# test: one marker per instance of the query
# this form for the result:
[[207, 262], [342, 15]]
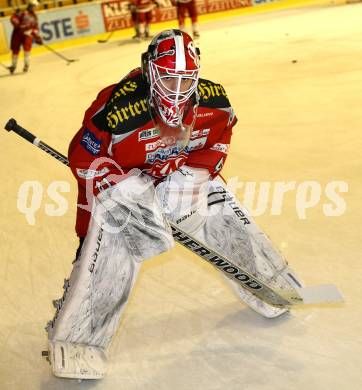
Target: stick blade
[[326, 293]]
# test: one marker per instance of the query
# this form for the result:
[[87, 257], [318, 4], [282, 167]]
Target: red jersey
[[25, 22], [144, 5], [118, 125]]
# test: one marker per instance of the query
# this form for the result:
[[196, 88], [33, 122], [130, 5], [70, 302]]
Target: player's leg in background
[[141, 24], [193, 15], [148, 18], [27, 44], [181, 14], [15, 49], [135, 21]]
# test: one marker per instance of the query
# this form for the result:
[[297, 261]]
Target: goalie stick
[[274, 296]]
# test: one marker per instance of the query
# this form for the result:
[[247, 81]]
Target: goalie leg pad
[[105, 272], [231, 232], [97, 291], [247, 246], [69, 360]]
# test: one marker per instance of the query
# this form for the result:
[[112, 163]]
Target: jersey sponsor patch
[[224, 148], [196, 144], [91, 173], [126, 109], [162, 154], [123, 89], [148, 134], [199, 133], [161, 169], [154, 145], [212, 95], [91, 143]]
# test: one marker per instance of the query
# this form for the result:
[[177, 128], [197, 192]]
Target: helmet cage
[[171, 102]]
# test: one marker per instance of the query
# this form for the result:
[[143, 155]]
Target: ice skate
[[196, 35], [137, 38]]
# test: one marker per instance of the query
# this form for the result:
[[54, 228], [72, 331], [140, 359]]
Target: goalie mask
[[171, 67]]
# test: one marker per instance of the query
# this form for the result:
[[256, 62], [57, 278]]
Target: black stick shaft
[[57, 53], [107, 39], [12, 125]]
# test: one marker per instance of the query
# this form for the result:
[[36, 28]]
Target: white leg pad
[[128, 229], [70, 360], [230, 231], [247, 246]]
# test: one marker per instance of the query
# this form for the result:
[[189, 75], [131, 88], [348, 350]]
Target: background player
[[141, 11], [25, 24], [184, 8]]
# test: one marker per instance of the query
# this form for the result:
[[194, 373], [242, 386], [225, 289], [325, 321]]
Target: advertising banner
[[66, 23], [258, 2], [3, 43], [116, 14]]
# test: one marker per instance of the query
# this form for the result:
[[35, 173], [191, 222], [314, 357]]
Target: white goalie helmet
[[171, 67]]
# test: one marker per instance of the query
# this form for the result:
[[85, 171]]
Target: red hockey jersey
[[25, 22], [118, 125], [144, 5]]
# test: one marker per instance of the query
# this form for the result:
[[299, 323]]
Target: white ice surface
[[183, 328]]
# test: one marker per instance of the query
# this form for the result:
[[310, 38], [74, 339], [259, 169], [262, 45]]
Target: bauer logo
[[91, 143]]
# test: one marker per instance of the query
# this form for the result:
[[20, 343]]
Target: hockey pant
[[210, 213], [19, 39], [126, 228]]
